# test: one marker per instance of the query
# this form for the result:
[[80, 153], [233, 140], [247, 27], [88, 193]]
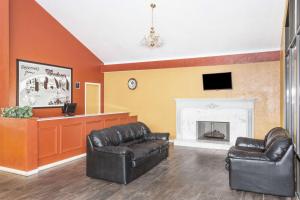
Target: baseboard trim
[[41, 168], [18, 172], [44, 167]]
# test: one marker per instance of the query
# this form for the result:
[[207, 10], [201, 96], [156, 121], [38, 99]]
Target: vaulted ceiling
[[113, 29]]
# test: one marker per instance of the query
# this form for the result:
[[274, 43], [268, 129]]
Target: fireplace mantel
[[238, 112]]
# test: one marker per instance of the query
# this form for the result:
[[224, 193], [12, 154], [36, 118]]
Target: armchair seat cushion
[[244, 153], [248, 149], [250, 143]]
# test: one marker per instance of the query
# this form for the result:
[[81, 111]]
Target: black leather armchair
[[263, 166], [123, 153]]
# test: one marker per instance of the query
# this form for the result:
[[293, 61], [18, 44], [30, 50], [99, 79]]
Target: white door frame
[[85, 86]]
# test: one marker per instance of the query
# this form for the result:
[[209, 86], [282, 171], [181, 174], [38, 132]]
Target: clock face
[[132, 83]]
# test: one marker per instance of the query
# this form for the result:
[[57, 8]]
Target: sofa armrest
[[157, 136], [114, 150], [250, 143], [111, 163], [235, 153]]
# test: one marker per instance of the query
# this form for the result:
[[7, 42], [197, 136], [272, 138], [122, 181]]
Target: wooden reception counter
[[30, 145]]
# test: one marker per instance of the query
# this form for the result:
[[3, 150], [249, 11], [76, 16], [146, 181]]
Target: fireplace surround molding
[[238, 112]]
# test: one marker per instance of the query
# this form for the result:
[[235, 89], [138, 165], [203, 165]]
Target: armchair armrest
[[234, 153], [250, 143], [157, 136], [116, 150]]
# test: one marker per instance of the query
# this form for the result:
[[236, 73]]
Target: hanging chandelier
[[152, 39]]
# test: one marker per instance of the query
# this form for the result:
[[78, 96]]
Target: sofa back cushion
[[125, 133], [278, 147], [132, 131], [105, 137], [140, 129], [119, 134], [273, 134]]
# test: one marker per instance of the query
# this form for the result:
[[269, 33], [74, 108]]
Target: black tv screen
[[218, 81]]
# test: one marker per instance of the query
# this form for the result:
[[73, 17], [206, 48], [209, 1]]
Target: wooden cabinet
[[60, 139], [27, 144]]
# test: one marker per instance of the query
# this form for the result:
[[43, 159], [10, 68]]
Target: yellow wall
[[93, 99], [154, 99]]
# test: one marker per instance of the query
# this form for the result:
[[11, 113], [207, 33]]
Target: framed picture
[[42, 85]]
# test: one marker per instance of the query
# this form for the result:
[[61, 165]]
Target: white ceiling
[[113, 29]]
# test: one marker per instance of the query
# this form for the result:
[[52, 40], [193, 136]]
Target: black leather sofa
[[263, 166], [123, 153]]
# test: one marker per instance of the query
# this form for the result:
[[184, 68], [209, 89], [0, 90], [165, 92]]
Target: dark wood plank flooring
[[188, 173]]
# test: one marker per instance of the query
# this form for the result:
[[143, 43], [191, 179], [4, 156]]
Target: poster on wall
[[42, 85]]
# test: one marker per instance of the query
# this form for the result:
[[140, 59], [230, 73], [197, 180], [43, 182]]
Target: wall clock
[[132, 83]]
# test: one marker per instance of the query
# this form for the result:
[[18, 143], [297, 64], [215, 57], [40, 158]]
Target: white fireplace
[[237, 113]]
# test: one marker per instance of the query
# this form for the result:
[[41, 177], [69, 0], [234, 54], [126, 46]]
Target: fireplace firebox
[[212, 130]]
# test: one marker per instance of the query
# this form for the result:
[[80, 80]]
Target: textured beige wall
[[154, 99]]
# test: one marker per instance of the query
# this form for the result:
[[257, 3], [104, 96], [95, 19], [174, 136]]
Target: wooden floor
[[188, 173]]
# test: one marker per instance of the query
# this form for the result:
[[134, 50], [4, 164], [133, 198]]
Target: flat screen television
[[69, 109], [217, 81]]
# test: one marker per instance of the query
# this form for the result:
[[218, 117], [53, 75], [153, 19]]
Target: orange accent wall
[[37, 36], [4, 51]]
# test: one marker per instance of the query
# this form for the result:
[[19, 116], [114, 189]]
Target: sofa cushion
[[141, 150], [132, 142], [140, 129], [131, 131], [162, 143], [146, 149], [278, 147], [125, 133], [105, 137]]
